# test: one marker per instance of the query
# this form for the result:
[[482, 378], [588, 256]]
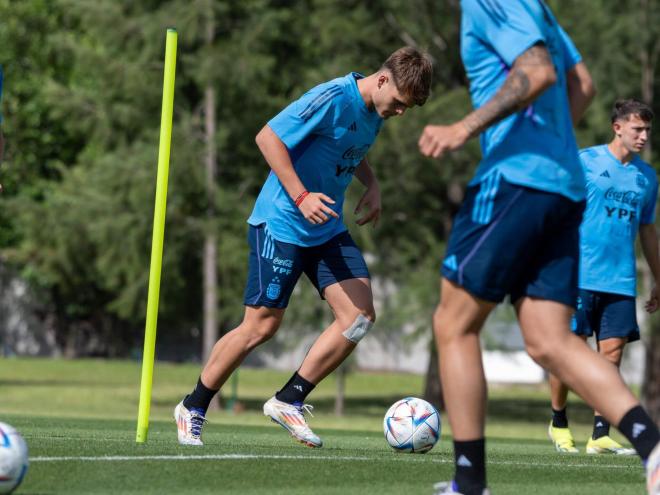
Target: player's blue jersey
[[619, 198], [327, 132], [535, 147]]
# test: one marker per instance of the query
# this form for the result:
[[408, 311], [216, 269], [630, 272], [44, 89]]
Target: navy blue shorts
[[606, 315], [275, 267], [513, 240]]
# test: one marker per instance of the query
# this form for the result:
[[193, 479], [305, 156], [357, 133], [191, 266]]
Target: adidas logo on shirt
[[352, 127], [638, 429], [451, 262], [464, 461], [605, 174]]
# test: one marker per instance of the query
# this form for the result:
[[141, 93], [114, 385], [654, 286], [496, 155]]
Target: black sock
[[470, 459], [200, 398], [559, 418], [296, 390], [640, 431], [601, 428]]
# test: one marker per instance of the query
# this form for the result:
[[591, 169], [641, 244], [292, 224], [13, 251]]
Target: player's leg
[[351, 302], [600, 441], [549, 341], [618, 327], [457, 322], [487, 248], [259, 324], [558, 430], [339, 272], [274, 269]]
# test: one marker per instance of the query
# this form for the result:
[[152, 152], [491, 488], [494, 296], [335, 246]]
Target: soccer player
[[314, 147], [621, 197], [516, 233]]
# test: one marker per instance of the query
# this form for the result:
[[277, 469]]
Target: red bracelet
[[301, 197]]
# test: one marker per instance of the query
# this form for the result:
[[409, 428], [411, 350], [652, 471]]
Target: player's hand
[[652, 305], [436, 140], [315, 209], [371, 201]]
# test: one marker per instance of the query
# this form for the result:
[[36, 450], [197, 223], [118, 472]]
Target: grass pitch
[[78, 418]]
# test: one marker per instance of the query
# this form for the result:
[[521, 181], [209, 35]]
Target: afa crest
[[274, 289], [641, 180]]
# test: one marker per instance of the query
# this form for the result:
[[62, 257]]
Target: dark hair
[[624, 109], [412, 71]]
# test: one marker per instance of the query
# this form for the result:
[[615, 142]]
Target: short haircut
[[624, 109], [412, 72]]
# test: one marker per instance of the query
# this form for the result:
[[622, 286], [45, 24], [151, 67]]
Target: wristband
[[301, 197]]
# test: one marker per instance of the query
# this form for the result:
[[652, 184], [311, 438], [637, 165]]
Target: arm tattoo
[[514, 93]]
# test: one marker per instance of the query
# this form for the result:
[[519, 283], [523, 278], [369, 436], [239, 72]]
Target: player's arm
[[311, 204], [581, 90], [649, 241], [531, 74], [371, 197]]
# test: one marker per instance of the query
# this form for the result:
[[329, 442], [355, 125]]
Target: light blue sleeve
[[312, 113], [509, 26], [572, 56], [648, 211]]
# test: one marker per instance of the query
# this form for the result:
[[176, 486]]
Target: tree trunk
[[649, 59], [210, 333], [432, 385]]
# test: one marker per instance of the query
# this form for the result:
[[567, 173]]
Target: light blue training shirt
[[619, 198], [535, 147], [327, 132]]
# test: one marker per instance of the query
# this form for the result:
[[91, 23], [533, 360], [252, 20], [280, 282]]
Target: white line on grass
[[240, 457]]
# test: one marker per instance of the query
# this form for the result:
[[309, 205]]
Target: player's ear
[[382, 79]]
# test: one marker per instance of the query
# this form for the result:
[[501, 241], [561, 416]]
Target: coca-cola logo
[[626, 197], [355, 152]]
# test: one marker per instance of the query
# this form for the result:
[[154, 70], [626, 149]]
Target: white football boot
[[189, 425], [290, 417]]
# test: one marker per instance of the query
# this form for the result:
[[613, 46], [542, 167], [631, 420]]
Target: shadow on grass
[[501, 409]]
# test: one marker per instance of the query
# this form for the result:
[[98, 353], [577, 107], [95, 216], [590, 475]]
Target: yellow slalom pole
[[157, 239]]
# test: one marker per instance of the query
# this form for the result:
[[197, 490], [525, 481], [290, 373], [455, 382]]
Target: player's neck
[[365, 87], [620, 152]]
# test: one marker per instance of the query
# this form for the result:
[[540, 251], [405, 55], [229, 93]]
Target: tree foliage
[[82, 107]]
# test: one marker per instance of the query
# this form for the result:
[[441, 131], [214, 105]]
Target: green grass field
[[79, 417]]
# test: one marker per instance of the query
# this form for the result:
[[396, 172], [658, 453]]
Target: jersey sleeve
[[572, 56], [648, 211], [312, 113], [508, 26]]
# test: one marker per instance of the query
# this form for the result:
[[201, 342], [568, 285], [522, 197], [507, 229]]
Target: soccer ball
[[412, 425], [13, 458]]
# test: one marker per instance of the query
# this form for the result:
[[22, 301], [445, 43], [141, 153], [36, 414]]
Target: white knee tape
[[358, 329]]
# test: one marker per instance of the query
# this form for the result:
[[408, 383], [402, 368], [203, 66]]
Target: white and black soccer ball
[[412, 425], [13, 458]]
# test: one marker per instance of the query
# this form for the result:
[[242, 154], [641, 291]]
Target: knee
[[448, 325], [357, 326], [613, 354], [264, 330], [542, 352]]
